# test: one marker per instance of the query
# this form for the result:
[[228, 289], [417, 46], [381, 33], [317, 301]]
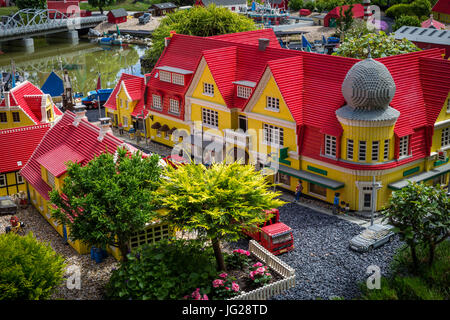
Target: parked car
[[7, 206], [372, 237], [145, 18]]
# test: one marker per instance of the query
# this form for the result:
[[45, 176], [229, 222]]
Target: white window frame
[[350, 149], [272, 103], [19, 178], [386, 149], [244, 92], [165, 76], [125, 121], [330, 146], [362, 150], [403, 146], [208, 89], [178, 79], [210, 118], [174, 106], [445, 137], [273, 135], [3, 182], [156, 102], [375, 150]]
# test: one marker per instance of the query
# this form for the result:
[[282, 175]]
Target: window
[[349, 149], [375, 150], [126, 104], [273, 135], [330, 146], [50, 179], [3, 117], [445, 139], [121, 103], [317, 190], [150, 234], [174, 106], [164, 76], [19, 178], [404, 146], [49, 114], [125, 122], [156, 102], [386, 150], [284, 179], [210, 117], [362, 151], [16, 117], [2, 180], [448, 105], [178, 79], [244, 92], [273, 103], [208, 89]]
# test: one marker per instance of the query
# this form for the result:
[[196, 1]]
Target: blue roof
[[53, 85]]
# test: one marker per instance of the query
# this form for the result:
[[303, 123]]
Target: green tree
[[420, 213], [403, 20], [421, 8], [33, 4], [295, 5], [217, 202], [111, 195], [100, 4], [198, 21], [29, 269], [381, 45], [344, 21]]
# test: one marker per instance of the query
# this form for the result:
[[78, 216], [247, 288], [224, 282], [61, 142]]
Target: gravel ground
[[325, 266], [130, 24], [94, 276]]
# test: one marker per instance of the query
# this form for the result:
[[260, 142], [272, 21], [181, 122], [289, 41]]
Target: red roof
[[276, 228], [442, 6], [250, 37], [133, 85], [357, 10], [63, 6], [18, 144], [432, 23], [64, 142]]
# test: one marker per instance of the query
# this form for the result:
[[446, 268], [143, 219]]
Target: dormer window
[[244, 92], [273, 104], [164, 76], [178, 79]]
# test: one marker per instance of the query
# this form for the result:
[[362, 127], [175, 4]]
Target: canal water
[[84, 61]]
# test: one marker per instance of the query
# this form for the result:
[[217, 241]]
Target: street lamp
[[375, 187]]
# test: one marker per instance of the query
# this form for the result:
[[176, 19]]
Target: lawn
[[126, 4]]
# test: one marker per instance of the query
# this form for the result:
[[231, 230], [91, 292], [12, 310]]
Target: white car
[[372, 237]]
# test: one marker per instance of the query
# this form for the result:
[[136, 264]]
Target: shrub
[[224, 287], [295, 5], [238, 259], [259, 274], [34, 4], [403, 20], [421, 8], [29, 269], [399, 9], [309, 5], [162, 271]]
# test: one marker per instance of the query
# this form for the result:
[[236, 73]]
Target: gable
[[204, 75]]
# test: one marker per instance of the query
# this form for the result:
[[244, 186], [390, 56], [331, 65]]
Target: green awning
[[311, 177], [423, 176]]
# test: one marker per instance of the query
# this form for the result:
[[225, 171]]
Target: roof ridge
[[25, 128]]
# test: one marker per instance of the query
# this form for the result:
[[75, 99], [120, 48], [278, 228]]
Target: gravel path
[[325, 266]]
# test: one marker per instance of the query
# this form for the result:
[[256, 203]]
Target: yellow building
[[27, 105], [441, 11]]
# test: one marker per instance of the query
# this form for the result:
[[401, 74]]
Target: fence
[[275, 264]]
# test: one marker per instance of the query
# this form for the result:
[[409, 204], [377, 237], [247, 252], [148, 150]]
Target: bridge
[[28, 23]]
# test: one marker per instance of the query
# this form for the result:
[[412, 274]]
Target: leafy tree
[[107, 197], [381, 45], [100, 4], [217, 202], [421, 8], [198, 21], [29, 269], [309, 5], [420, 213], [411, 21], [295, 5], [32, 4], [414, 8], [399, 9], [345, 20]]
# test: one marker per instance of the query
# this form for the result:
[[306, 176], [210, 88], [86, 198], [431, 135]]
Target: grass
[[427, 283], [4, 11], [126, 4]]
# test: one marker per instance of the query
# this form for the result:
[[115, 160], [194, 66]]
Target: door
[[243, 123], [64, 232], [367, 199]]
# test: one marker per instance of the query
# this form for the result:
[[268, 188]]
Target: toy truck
[[273, 235], [91, 100]]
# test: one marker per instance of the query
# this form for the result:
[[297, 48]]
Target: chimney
[[7, 101], [167, 41], [80, 113], [105, 127], [263, 43], [43, 108]]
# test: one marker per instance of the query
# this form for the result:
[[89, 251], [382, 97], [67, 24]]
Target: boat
[[106, 40]]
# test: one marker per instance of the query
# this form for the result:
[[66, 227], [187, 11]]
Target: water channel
[[83, 61]]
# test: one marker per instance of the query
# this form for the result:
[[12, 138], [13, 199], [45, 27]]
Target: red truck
[[274, 235]]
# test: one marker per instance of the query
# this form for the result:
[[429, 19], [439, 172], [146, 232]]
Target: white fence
[[276, 265]]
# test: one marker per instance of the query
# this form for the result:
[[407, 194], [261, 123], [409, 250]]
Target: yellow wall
[[441, 17], [121, 112], [164, 138], [207, 77], [24, 120], [12, 185]]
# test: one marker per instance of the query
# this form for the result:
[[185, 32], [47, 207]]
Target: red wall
[[425, 45]]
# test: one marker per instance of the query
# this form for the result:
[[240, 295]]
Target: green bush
[[162, 271], [309, 5], [399, 9], [403, 20], [295, 5], [29, 269], [26, 4], [421, 8]]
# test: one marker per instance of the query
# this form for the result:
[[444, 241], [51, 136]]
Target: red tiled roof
[[81, 141], [250, 37], [432, 22], [18, 144], [134, 85], [442, 6], [55, 159], [358, 10], [62, 6]]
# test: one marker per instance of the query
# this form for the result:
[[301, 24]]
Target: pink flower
[[260, 270], [235, 286], [227, 288], [217, 283], [223, 275], [205, 297], [268, 274], [258, 264]]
